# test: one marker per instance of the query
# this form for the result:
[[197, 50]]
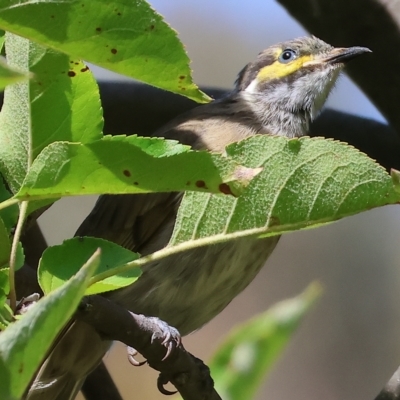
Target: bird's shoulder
[[214, 125], [138, 221]]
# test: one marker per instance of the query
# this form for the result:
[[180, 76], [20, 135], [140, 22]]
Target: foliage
[[51, 146], [250, 350], [23, 346]]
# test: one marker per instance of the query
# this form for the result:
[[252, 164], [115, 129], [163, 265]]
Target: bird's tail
[[76, 353]]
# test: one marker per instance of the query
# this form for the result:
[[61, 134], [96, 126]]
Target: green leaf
[[304, 183], [5, 249], [9, 215], [20, 257], [250, 350], [2, 38], [4, 280], [60, 103], [396, 180], [24, 343], [5, 245], [8, 75], [124, 36], [59, 263], [14, 120], [6, 314], [120, 165], [65, 100]]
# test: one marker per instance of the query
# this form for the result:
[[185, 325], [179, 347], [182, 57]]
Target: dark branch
[[131, 107], [137, 108], [188, 374]]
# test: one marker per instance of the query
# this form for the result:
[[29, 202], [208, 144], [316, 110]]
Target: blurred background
[[348, 346]]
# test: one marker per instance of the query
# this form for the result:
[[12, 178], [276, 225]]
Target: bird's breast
[[188, 289]]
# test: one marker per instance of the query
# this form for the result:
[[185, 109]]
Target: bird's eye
[[287, 55]]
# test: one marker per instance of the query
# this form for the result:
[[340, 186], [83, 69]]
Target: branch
[[137, 108], [371, 23], [131, 107], [188, 374]]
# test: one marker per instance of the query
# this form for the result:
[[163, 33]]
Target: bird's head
[[295, 76]]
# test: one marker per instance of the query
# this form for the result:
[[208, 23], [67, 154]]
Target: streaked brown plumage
[[279, 93]]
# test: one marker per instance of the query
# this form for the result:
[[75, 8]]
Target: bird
[[279, 93]]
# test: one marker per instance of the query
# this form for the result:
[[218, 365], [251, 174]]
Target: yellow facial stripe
[[278, 70]]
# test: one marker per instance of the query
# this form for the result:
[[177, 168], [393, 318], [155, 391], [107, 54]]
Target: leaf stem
[[13, 256], [8, 203], [177, 248]]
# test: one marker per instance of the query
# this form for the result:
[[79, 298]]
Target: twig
[[13, 256], [137, 108]]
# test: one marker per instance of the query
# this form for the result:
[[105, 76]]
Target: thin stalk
[[13, 256], [175, 249], [9, 202]]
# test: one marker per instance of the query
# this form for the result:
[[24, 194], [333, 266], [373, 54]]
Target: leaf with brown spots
[[148, 49], [59, 103], [121, 164], [294, 184]]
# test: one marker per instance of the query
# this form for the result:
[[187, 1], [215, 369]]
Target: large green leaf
[[304, 183], [128, 165], [124, 36], [24, 343], [59, 263], [250, 350], [61, 102]]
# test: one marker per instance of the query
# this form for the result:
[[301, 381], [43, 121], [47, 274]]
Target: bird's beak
[[342, 55]]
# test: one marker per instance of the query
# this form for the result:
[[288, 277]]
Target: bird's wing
[[135, 221], [144, 222]]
